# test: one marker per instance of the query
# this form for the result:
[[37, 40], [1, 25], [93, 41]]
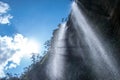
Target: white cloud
[[5, 19], [4, 7], [10, 66], [14, 49], [4, 15], [2, 74]]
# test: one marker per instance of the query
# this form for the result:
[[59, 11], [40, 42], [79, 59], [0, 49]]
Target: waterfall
[[57, 61], [101, 61], [78, 51]]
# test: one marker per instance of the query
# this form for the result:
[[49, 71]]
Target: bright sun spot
[[26, 46], [30, 47], [33, 46]]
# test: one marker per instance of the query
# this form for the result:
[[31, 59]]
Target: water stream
[[103, 64], [96, 57], [58, 61]]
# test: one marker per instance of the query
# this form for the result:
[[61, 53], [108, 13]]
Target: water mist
[[58, 51], [102, 63], [78, 52]]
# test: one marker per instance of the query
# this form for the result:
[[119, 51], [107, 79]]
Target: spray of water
[[103, 64], [57, 62]]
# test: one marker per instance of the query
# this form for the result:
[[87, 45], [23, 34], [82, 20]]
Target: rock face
[[104, 16]]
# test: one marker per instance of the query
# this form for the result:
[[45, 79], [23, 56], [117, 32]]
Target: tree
[[47, 44], [33, 58]]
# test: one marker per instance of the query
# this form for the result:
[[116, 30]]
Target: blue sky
[[38, 17], [25, 23]]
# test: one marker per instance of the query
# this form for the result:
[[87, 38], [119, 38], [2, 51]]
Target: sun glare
[[33, 46]]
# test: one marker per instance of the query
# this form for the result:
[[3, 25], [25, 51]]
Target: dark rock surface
[[105, 16]]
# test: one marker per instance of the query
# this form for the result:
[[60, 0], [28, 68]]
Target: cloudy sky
[[24, 27]]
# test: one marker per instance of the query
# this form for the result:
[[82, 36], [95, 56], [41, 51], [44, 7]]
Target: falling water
[[103, 64], [57, 62]]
